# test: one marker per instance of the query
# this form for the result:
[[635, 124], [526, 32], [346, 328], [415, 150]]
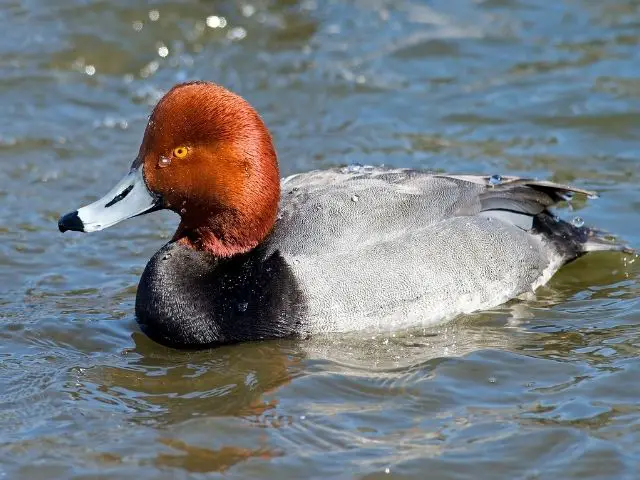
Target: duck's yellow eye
[[180, 152]]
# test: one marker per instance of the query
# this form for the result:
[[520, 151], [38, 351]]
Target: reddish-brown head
[[209, 156]]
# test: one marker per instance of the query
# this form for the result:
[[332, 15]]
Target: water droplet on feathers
[[353, 168], [577, 222], [495, 180], [567, 196], [164, 162], [242, 307], [355, 198]]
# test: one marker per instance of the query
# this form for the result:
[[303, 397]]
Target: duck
[[345, 249]]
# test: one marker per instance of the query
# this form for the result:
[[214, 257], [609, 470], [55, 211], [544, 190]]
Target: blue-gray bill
[[129, 198]]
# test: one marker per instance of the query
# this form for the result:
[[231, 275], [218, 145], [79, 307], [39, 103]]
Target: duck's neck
[[228, 231], [223, 236], [189, 298]]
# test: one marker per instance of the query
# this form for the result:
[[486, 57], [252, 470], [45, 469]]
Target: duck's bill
[[129, 198]]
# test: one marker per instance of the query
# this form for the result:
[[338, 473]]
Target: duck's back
[[389, 248]]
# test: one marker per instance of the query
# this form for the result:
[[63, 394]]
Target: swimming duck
[[256, 257]]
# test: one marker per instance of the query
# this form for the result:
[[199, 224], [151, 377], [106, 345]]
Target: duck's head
[[206, 155]]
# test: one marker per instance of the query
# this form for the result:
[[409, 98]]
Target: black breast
[[191, 299]]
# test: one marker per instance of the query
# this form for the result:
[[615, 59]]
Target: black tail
[[574, 241]]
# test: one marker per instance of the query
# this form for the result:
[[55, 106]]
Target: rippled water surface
[[545, 388]]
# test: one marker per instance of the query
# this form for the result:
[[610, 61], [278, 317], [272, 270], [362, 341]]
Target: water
[[541, 389]]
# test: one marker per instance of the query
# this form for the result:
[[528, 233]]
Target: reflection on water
[[543, 387]]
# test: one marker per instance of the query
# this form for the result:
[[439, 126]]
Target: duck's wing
[[343, 209], [518, 200]]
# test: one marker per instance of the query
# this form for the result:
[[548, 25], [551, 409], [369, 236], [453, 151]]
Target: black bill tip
[[71, 221]]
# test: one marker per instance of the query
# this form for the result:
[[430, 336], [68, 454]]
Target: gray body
[[385, 249]]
